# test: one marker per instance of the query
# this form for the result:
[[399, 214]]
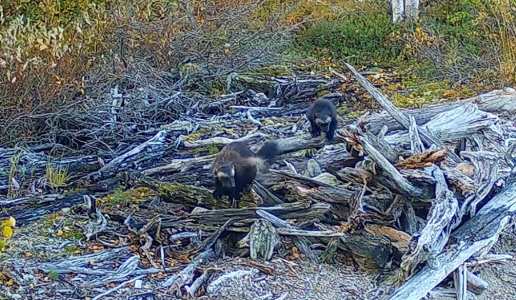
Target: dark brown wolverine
[[236, 166], [322, 115]]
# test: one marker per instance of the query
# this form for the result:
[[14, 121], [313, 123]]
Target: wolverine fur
[[322, 115], [236, 166]]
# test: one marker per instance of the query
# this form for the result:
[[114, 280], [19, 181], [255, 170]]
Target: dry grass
[[57, 69]]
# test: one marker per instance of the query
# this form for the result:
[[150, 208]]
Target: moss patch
[[121, 197]]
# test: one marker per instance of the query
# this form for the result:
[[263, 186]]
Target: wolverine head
[[323, 122], [226, 175]]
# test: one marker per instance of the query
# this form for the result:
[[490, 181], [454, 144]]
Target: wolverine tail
[[268, 152]]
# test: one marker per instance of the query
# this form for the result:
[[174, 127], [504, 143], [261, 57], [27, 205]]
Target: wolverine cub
[[322, 115], [236, 166]]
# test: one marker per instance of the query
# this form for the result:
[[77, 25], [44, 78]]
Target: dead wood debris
[[407, 203]]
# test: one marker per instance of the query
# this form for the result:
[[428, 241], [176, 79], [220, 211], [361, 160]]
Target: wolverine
[[322, 115], [236, 166]]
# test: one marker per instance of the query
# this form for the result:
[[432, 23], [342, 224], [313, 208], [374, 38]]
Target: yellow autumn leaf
[[9, 222], [7, 231]]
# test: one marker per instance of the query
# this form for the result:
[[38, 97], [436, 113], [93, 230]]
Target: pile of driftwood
[[419, 194]]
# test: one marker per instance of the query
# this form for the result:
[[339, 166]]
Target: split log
[[496, 101], [478, 235], [485, 165], [435, 233], [301, 242], [262, 240]]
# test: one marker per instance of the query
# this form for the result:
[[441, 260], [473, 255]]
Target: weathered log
[[489, 258], [401, 184], [435, 233], [396, 114], [416, 145], [262, 240], [495, 101], [371, 252], [158, 139], [70, 264], [478, 234], [445, 293], [254, 138], [30, 209], [459, 123], [285, 145]]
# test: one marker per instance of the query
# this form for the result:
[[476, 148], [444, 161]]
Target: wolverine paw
[[315, 133]]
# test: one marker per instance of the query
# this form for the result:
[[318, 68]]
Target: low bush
[[61, 59], [358, 36]]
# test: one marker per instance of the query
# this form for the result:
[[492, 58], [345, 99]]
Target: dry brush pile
[[418, 194]]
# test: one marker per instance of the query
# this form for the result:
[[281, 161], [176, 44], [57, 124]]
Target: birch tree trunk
[[398, 9], [411, 10], [402, 9]]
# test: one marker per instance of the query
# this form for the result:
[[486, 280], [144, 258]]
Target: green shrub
[[455, 22], [360, 37]]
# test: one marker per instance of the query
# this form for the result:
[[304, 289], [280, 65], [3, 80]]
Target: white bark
[[402, 9], [411, 9], [398, 10]]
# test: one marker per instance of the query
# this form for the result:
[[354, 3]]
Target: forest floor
[[286, 277]]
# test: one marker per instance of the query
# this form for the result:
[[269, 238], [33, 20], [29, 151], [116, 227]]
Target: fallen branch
[[158, 139], [117, 287], [186, 275], [478, 233], [222, 141], [396, 114]]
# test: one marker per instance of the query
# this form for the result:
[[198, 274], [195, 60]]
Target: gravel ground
[[299, 280]]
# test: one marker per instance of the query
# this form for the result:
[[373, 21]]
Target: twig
[[489, 258], [158, 139], [117, 287]]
